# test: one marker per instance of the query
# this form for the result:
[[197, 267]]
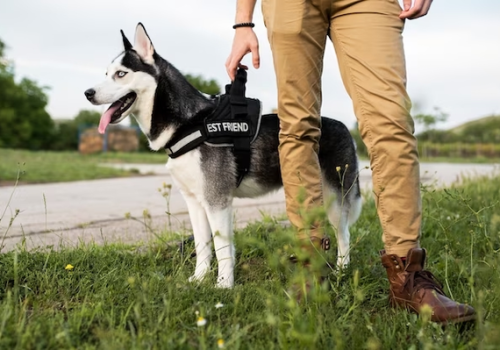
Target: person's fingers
[[425, 9], [410, 13], [244, 42], [406, 5], [255, 55], [232, 63], [231, 67]]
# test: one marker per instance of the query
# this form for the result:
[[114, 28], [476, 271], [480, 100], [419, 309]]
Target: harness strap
[[242, 154], [239, 111], [186, 141], [237, 97]]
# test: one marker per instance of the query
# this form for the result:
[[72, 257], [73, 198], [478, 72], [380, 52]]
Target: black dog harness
[[234, 123]]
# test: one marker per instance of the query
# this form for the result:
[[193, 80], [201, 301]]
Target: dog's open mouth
[[116, 110]]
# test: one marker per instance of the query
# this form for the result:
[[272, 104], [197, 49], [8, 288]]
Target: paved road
[[96, 210]]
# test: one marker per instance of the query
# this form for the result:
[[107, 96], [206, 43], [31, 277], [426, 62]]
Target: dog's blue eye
[[121, 74]]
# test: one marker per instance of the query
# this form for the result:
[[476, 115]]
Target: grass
[[136, 157], [138, 297], [45, 166]]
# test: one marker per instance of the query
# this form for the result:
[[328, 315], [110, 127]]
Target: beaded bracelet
[[245, 24]]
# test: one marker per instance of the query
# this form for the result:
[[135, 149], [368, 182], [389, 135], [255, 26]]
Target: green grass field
[[138, 297], [45, 166]]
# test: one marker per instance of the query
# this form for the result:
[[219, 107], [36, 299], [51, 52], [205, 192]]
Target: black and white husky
[[141, 83]]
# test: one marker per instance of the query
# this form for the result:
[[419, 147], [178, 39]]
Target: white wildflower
[[200, 322]]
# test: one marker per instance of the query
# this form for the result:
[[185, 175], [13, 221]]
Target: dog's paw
[[197, 277], [224, 283], [200, 273], [193, 279]]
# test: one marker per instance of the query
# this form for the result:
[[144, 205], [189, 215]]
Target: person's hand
[[245, 41], [419, 9]]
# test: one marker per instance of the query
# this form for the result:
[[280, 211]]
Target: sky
[[452, 54]]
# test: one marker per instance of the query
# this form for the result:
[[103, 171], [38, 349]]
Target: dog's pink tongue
[[106, 118]]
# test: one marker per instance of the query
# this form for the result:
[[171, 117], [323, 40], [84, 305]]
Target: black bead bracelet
[[245, 24]]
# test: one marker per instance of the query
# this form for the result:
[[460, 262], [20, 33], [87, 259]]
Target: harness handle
[[237, 95], [239, 111]]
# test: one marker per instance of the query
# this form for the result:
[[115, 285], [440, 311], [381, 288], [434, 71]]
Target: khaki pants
[[367, 37]]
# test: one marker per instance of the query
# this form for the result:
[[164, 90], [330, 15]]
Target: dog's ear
[[126, 44], [143, 45]]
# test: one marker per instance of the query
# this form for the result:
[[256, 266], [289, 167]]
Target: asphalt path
[[134, 210]]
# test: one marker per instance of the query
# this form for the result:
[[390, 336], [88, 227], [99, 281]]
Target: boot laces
[[423, 279]]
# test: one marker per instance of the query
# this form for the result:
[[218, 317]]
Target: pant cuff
[[401, 250]]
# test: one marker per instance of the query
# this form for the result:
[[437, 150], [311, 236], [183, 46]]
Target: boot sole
[[463, 319]]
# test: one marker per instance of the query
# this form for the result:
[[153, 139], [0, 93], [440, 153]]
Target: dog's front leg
[[202, 237], [221, 222]]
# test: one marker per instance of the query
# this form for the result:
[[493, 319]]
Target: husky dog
[[141, 83]]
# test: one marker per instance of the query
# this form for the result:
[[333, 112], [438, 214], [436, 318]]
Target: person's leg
[[297, 32], [367, 36]]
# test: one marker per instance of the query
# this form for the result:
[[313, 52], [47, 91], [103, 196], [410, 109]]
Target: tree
[[209, 87], [25, 122], [438, 136], [3, 60], [65, 136], [87, 117], [66, 132], [429, 121]]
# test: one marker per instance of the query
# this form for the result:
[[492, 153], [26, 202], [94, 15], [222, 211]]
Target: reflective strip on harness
[[176, 147]]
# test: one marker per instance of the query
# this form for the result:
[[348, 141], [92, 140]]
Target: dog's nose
[[90, 93]]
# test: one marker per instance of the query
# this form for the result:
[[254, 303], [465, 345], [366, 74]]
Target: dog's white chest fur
[[187, 174]]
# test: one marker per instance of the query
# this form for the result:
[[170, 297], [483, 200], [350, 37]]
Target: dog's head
[[130, 84]]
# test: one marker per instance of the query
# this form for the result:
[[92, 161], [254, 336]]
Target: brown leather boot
[[411, 287]]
